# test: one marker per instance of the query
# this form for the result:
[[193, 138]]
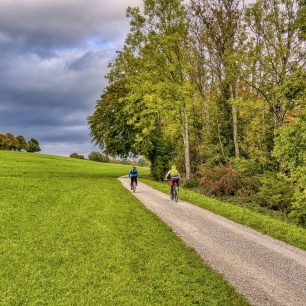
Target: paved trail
[[265, 270]]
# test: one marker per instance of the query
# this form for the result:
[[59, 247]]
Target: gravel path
[[265, 270]]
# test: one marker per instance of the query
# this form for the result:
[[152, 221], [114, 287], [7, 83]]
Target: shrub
[[218, 180], [76, 155], [298, 208], [192, 183], [235, 178], [126, 161], [99, 157], [275, 192], [290, 151], [142, 162]]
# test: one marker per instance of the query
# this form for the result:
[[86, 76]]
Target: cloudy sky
[[53, 58]]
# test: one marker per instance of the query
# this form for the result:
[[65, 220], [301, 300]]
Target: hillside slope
[[71, 234]]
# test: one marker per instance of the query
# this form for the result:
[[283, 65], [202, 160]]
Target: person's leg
[[136, 181], [171, 186]]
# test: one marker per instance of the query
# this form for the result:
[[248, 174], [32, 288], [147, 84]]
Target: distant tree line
[[18, 143], [76, 155], [218, 88], [103, 158]]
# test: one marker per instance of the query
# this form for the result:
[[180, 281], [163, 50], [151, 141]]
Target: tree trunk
[[206, 108], [220, 142], [185, 131], [235, 120]]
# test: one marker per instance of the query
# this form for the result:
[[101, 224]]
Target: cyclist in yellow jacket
[[174, 177]]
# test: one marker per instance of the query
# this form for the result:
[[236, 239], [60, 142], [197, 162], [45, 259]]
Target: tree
[[10, 142], [301, 20], [21, 143], [275, 50], [33, 146], [290, 150], [99, 157], [217, 25], [3, 142], [76, 155], [205, 84]]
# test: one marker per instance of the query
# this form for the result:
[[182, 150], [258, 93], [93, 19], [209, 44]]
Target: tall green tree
[[33, 146], [21, 143], [277, 50], [11, 142]]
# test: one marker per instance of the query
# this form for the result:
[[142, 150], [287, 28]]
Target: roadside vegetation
[[71, 234], [262, 221]]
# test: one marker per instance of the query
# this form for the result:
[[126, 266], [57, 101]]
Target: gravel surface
[[265, 270]]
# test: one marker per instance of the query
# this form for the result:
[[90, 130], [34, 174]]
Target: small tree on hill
[[33, 146], [95, 156], [99, 157], [3, 142], [21, 143], [76, 155], [11, 142]]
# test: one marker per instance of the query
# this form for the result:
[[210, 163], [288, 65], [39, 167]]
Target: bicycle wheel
[[134, 187], [175, 192]]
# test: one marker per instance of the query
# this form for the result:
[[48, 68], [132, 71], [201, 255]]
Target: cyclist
[[174, 176], [133, 174]]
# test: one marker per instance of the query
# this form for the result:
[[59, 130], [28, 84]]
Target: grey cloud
[[50, 22], [53, 58]]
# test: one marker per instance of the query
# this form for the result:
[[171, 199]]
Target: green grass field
[[72, 235], [273, 227]]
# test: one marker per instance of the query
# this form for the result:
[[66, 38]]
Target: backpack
[[174, 173], [134, 171]]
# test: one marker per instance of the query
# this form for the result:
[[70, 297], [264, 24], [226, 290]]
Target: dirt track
[[266, 271]]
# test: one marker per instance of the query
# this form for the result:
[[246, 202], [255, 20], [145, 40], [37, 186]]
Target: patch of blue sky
[[98, 43]]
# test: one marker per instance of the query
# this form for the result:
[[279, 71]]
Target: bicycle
[[175, 192], [174, 196], [134, 186]]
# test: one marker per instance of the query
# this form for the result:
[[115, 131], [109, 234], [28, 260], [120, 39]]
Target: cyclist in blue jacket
[[133, 174]]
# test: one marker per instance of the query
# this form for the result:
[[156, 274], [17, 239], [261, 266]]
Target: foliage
[[18, 143], [208, 85], [238, 177], [219, 180], [290, 151], [33, 146], [99, 157], [125, 161], [275, 192], [76, 155], [21, 143], [142, 162], [3, 145]]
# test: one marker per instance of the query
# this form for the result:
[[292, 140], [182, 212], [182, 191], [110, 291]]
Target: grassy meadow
[[72, 235]]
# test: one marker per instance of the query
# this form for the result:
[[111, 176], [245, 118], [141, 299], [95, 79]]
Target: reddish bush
[[237, 178], [219, 180]]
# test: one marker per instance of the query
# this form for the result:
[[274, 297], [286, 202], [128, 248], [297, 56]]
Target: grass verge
[[273, 227], [71, 234]]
